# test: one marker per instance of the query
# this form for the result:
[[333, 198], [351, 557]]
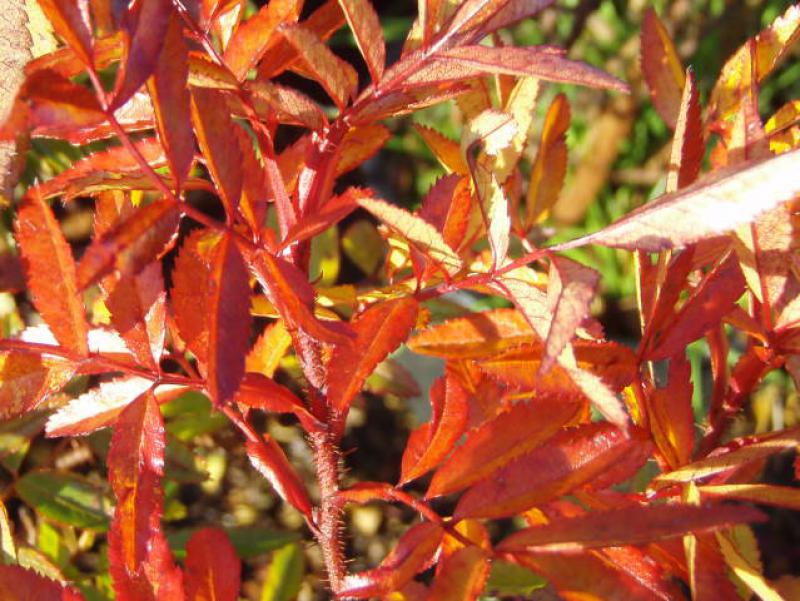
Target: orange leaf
[[338, 78], [359, 144], [617, 572], [661, 67], [436, 438], [217, 138], [212, 567], [567, 461], [461, 576], [269, 349], [710, 207], [138, 312], [496, 443], [739, 453], [763, 494], [271, 462], [475, 335], [670, 414], [169, 92], [379, 331], [413, 553], [27, 379], [363, 20], [51, 274], [550, 167], [255, 36], [132, 244], [631, 525], [446, 150]]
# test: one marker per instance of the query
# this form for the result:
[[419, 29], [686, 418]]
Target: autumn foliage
[[537, 416]]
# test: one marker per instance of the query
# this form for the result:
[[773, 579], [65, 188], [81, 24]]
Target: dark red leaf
[[661, 67], [144, 28], [69, 21], [169, 91]]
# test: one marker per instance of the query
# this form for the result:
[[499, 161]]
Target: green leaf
[[285, 574], [510, 579], [248, 541], [67, 499]]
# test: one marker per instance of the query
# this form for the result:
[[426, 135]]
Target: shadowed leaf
[[271, 462], [661, 67]]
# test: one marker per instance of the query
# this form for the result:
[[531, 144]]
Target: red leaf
[[688, 146], [169, 92], [412, 554], [51, 273], [212, 567], [113, 168], [20, 584], [379, 331], [338, 78], [259, 392], [514, 432], [293, 297], [570, 290], [568, 461], [211, 300], [715, 296], [140, 562], [217, 138], [632, 525], [330, 214], [426, 450], [269, 459], [548, 64], [253, 37], [710, 207], [661, 67], [133, 244], [70, 23], [363, 20]]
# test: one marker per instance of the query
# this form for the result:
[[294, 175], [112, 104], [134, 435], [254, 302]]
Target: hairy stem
[[329, 512]]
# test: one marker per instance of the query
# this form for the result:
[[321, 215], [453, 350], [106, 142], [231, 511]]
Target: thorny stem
[[329, 513]]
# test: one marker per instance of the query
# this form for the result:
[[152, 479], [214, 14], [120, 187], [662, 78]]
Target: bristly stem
[[329, 512]]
